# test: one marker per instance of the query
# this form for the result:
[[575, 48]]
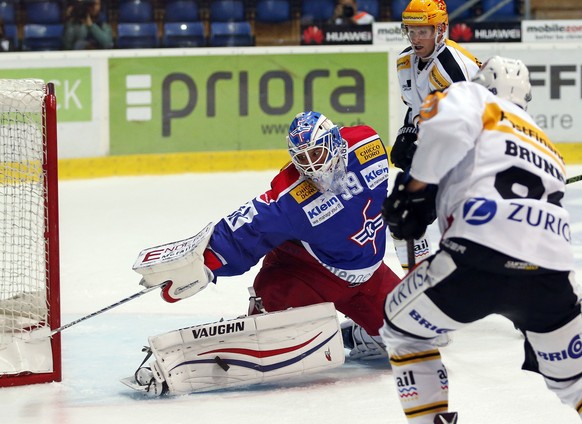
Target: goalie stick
[[107, 308], [410, 254]]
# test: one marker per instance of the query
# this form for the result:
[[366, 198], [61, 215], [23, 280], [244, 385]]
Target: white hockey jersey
[[449, 63], [501, 180]]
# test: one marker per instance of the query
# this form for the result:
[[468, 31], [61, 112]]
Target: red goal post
[[29, 234]]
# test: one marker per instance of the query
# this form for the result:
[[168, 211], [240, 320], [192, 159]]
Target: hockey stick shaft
[[574, 179], [107, 308], [410, 254]]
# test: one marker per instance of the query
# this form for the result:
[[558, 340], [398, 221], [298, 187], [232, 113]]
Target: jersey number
[[519, 183], [353, 186]]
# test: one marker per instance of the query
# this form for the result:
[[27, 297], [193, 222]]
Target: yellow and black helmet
[[426, 12]]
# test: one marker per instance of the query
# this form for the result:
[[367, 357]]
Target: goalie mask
[[318, 151], [506, 78]]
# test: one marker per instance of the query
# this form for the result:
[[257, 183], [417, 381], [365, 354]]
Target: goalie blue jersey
[[344, 232]]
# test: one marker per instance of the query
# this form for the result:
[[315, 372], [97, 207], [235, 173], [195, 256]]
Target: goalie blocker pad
[[180, 264], [249, 350]]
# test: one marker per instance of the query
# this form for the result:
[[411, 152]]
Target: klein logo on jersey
[[369, 230], [573, 351], [479, 211], [322, 208], [375, 174], [241, 216], [370, 151]]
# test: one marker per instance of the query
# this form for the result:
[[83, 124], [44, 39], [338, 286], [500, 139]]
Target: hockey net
[[29, 255]]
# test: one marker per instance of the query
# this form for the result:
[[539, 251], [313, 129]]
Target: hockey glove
[[179, 264], [409, 214], [404, 147]]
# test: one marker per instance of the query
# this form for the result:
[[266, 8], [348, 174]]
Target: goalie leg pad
[[249, 350]]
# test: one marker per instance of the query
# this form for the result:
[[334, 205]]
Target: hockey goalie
[[321, 238], [244, 351]]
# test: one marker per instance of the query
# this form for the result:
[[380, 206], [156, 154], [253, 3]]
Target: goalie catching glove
[[408, 214], [179, 264]]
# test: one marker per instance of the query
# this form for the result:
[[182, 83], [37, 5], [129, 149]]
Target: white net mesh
[[23, 257]]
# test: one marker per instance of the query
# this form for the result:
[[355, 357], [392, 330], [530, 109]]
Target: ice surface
[[104, 225]]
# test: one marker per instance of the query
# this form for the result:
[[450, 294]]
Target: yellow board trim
[[571, 152], [172, 163], [178, 163]]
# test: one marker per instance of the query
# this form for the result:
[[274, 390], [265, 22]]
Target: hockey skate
[[362, 346], [143, 379], [255, 303]]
